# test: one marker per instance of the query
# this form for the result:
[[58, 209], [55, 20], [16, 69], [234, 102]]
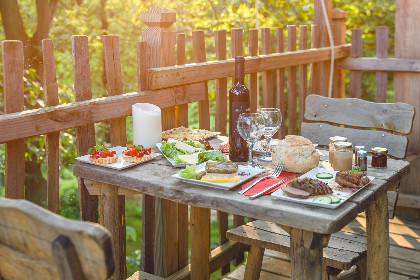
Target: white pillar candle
[[147, 124]]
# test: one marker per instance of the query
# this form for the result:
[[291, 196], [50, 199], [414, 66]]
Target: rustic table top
[[154, 178]]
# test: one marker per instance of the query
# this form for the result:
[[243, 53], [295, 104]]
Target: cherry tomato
[[103, 155]]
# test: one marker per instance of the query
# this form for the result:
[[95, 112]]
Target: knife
[[258, 194]]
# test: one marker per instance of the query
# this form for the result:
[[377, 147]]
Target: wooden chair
[[38, 244], [352, 118]]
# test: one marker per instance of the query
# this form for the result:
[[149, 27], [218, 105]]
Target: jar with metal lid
[[331, 147], [356, 149], [379, 157], [362, 160], [343, 156]]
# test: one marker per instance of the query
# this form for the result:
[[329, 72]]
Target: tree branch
[[44, 19], [12, 21]]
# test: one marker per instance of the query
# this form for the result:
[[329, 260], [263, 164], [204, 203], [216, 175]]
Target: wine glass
[[251, 127], [272, 122]]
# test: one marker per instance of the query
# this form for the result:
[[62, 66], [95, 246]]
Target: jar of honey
[[379, 157], [343, 156], [331, 147]]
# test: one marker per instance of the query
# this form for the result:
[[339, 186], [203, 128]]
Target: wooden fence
[[164, 80]]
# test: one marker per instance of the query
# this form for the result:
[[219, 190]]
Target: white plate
[[343, 193], [120, 164], [245, 173], [213, 134]]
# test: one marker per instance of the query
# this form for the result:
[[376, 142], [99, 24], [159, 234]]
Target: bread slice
[[136, 159], [107, 160]]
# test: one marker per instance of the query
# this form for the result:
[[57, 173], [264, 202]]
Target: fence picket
[[253, 77], [280, 99], [199, 53], [315, 77], [267, 76], [339, 34], [221, 84], [356, 51], [381, 52], [181, 111], [85, 135], [52, 139], [291, 81], [303, 72], [14, 171]]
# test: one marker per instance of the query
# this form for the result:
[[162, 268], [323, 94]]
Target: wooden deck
[[404, 260]]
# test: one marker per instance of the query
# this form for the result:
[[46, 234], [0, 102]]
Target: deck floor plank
[[404, 262]]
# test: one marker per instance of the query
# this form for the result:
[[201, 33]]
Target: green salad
[[172, 150]]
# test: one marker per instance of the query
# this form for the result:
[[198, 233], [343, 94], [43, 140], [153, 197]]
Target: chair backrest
[[363, 123], [38, 244]]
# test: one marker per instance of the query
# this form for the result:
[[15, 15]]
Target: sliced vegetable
[[322, 199], [334, 199], [324, 175]]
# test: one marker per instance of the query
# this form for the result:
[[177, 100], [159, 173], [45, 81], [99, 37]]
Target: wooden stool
[[342, 252], [141, 275]]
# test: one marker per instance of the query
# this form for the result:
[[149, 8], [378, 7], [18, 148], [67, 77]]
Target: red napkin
[[266, 183]]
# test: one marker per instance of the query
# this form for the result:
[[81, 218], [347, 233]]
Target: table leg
[[306, 253], [377, 233], [112, 218], [200, 241]]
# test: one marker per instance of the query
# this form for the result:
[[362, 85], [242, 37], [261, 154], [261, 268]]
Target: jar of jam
[[343, 156], [331, 147], [379, 157]]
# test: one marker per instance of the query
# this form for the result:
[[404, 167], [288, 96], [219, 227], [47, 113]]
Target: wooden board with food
[[221, 175], [184, 133], [180, 153], [323, 187], [118, 157]]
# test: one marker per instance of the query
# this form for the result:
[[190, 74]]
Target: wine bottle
[[238, 103]]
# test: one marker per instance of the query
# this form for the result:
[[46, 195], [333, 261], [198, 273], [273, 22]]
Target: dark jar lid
[[379, 150]]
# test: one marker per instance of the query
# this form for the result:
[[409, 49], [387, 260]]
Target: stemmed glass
[[251, 127], [272, 122]]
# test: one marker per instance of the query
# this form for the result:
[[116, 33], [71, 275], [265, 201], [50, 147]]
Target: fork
[[274, 174]]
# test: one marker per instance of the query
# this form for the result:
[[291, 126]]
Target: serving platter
[[244, 172], [341, 192], [170, 159], [120, 164], [194, 134]]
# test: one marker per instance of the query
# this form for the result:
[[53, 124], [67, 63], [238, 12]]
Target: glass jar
[[379, 157], [331, 147], [343, 156], [362, 160]]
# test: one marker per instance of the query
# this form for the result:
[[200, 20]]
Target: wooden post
[[291, 81], [377, 238], [267, 76], [356, 51], [253, 77], [339, 34], [118, 138], [407, 85], [303, 73], [85, 135], [319, 41], [381, 51], [161, 38], [280, 99], [306, 253], [52, 139], [13, 63], [200, 239]]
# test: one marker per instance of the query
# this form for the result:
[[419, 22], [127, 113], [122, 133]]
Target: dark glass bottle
[[238, 103]]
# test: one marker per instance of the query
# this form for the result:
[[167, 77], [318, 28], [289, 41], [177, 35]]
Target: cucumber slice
[[322, 199], [324, 175], [334, 199]]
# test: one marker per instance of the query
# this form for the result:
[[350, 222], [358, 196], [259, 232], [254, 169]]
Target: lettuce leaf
[[210, 155], [189, 172]]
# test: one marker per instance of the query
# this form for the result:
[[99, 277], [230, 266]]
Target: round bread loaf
[[296, 152]]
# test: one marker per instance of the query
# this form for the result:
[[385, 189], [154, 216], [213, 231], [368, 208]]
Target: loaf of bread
[[296, 152]]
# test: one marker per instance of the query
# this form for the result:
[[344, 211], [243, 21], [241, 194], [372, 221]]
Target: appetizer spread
[[189, 152], [183, 133], [102, 155], [136, 153]]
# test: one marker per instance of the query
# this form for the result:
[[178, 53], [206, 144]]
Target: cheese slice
[[190, 159], [185, 147], [220, 178]]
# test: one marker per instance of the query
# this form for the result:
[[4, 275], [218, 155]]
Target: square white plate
[[245, 173], [120, 164], [343, 193]]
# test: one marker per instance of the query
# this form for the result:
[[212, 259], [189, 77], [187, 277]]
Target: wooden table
[[310, 227]]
